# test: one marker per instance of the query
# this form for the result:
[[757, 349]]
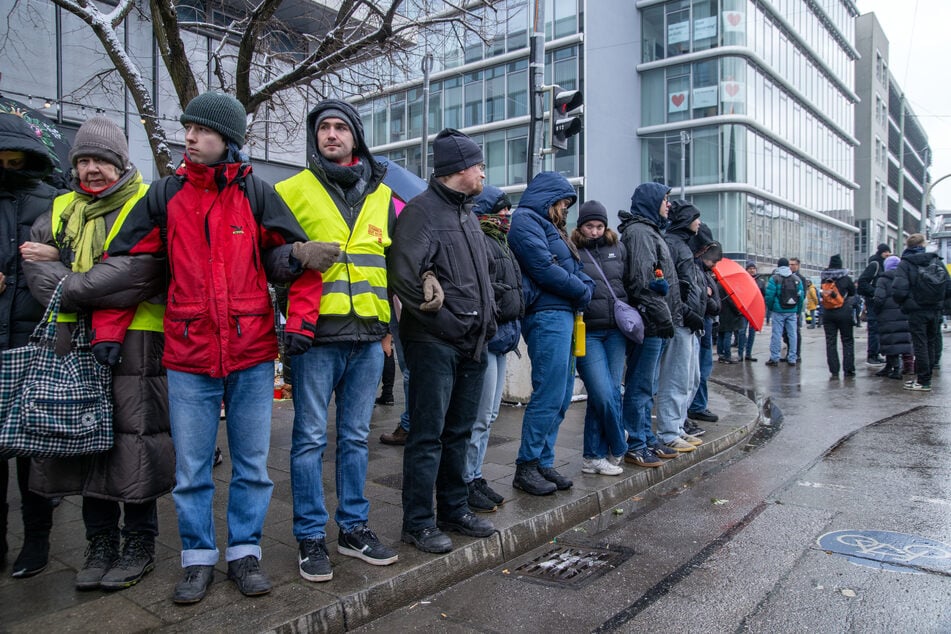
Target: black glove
[[296, 344], [693, 321], [665, 331], [107, 353]]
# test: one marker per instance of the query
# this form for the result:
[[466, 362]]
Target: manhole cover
[[886, 550], [394, 480], [563, 564]]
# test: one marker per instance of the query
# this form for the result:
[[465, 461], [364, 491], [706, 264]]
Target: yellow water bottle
[[579, 335]]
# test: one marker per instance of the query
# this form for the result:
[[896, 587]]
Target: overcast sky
[[919, 54]]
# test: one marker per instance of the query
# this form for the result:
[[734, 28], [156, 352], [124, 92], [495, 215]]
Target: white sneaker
[[693, 440], [600, 466], [680, 445], [615, 460]]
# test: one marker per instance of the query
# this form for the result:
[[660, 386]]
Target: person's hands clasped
[[316, 255], [432, 293]]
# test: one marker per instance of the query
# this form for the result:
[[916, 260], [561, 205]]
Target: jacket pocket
[[245, 309]]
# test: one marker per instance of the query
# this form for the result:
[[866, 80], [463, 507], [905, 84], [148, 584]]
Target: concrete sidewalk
[[358, 592]]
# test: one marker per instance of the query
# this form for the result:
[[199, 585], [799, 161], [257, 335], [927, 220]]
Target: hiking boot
[[468, 524], [680, 445], [664, 451], [643, 457], [194, 585], [693, 428], [102, 551], [313, 562], [895, 374], [478, 501], [751, 359], [33, 557], [772, 363], [560, 481], [248, 576], [705, 415], [397, 437], [875, 360], [917, 387], [136, 561], [600, 466], [488, 491], [429, 540], [528, 479], [363, 543]]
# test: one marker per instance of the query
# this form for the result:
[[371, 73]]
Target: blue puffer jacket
[[552, 277]]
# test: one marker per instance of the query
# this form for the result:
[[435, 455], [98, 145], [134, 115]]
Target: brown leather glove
[[432, 293], [316, 255]]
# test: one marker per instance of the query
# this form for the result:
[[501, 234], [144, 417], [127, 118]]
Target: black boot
[[102, 551], [137, 560], [528, 479], [555, 478], [34, 556]]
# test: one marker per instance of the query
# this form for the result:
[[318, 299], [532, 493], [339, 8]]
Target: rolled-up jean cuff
[[233, 553], [199, 557]]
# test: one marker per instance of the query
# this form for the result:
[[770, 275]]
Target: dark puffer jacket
[[906, 277], [507, 279], [141, 465], [693, 285], [894, 335], [599, 315], [23, 199]]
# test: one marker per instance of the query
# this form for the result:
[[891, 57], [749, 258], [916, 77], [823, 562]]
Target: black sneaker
[[429, 540], [705, 415], [385, 400], [136, 561], [468, 524], [561, 482], [194, 585], [34, 556], [693, 428], [488, 491], [313, 560], [102, 552], [663, 451], [363, 544], [248, 576], [478, 502], [772, 363]]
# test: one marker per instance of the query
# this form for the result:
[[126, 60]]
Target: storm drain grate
[[563, 564]]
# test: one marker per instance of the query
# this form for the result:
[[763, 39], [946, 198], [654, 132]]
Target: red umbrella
[[742, 289]]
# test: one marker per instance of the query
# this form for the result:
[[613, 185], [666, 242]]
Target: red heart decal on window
[[732, 89], [733, 18], [678, 99]]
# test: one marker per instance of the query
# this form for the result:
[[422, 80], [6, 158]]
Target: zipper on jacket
[[237, 324]]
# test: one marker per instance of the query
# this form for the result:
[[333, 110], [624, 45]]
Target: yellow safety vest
[[356, 282], [148, 316]]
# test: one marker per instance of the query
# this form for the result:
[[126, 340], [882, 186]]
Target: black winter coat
[[893, 333], [906, 276], [23, 199], [599, 315]]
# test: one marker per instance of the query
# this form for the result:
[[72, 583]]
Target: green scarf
[[84, 222], [491, 229]]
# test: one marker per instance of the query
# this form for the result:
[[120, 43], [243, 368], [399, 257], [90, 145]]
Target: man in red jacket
[[225, 233]]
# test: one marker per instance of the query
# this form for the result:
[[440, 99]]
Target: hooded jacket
[[774, 291], [867, 280], [599, 314], [647, 252], [703, 244], [893, 331], [906, 276], [360, 217], [23, 199], [693, 286], [507, 279], [552, 278]]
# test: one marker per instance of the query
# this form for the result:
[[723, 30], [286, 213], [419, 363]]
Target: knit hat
[[453, 152], [782, 262], [882, 248], [592, 210], [891, 262], [101, 138], [335, 113], [750, 265], [835, 262], [220, 112]]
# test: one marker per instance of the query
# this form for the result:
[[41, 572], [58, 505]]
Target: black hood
[[703, 241], [358, 135], [18, 135]]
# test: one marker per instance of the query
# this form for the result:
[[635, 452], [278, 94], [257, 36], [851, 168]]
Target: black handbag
[[54, 406]]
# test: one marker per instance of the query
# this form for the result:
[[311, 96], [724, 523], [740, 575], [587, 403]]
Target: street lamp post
[[924, 204]]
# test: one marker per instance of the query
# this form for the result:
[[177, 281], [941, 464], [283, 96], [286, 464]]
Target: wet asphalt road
[[733, 545]]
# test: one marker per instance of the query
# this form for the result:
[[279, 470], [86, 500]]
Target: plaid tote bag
[[54, 406]]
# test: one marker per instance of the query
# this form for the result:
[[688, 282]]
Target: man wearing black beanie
[[866, 288]]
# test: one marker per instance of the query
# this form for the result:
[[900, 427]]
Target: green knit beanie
[[222, 113]]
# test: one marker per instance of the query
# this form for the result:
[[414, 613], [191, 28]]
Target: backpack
[[929, 287], [788, 291], [831, 295]]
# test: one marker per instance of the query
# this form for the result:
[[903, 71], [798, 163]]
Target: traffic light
[[564, 124]]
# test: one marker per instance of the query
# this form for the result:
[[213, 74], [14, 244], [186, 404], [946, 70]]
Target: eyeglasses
[[481, 167]]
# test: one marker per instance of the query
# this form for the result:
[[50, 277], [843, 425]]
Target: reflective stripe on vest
[[356, 282], [147, 316]]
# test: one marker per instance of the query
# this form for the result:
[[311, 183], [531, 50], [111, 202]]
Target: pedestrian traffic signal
[[565, 120]]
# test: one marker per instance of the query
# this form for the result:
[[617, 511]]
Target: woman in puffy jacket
[[893, 331], [602, 366]]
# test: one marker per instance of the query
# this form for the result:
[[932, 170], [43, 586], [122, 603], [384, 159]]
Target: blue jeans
[[790, 323], [724, 344], [601, 369], [678, 378], [640, 385], [444, 394], [492, 384], [701, 398], [548, 335], [349, 372], [194, 405], [746, 337]]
